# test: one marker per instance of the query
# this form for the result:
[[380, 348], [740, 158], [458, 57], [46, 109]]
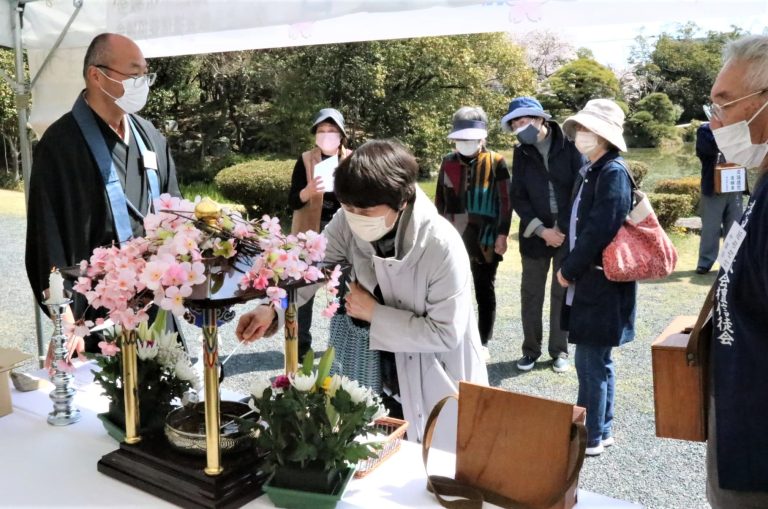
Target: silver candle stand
[[64, 412]]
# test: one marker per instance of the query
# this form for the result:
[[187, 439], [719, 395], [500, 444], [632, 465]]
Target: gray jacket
[[427, 318]]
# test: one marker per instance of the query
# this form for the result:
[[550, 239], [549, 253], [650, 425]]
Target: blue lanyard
[[85, 120], [149, 160]]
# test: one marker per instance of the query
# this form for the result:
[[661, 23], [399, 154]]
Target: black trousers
[[304, 319], [484, 276]]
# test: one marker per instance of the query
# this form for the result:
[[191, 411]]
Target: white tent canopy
[[182, 27]]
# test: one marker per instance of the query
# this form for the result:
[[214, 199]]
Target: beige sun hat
[[601, 116]]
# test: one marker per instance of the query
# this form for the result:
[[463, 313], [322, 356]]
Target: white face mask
[[134, 98], [368, 228], [468, 148], [328, 142], [735, 142], [586, 142]]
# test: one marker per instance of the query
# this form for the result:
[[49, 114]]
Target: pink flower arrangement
[[163, 266]]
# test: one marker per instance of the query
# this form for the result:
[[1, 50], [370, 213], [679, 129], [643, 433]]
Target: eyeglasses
[[715, 111], [138, 81]]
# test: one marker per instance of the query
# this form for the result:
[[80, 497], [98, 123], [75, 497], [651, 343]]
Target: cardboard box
[[8, 360]]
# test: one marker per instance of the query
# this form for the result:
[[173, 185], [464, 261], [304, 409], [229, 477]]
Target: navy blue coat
[[708, 154], [530, 188], [603, 311]]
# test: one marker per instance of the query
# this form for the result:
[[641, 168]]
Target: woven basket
[[395, 428]]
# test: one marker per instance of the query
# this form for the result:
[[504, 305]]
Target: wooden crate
[[679, 390]]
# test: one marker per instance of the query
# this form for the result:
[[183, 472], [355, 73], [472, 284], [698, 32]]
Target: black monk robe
[[69, 213]]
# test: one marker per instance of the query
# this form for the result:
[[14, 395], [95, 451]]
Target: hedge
[[639, 170], [261, 186], [689, 186], [670, 207]]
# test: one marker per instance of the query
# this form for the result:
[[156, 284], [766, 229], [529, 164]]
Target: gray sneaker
[[560, 365], [525, 363]]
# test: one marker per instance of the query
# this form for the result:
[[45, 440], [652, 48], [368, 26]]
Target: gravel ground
[[654, 472]]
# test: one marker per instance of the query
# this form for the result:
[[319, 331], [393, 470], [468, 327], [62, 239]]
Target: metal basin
[[185, 428]]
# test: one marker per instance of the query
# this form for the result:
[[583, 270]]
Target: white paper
[[325, 170], [731, 246], [733, 180]]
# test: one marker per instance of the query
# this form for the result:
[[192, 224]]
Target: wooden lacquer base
[[152, 466]]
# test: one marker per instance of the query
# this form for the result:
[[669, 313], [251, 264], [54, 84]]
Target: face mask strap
[[758, 112]]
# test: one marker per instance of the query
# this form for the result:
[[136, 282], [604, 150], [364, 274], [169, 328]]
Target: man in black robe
[[70, 209]]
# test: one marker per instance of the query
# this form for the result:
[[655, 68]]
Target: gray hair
[[753, 50], [470, 113]]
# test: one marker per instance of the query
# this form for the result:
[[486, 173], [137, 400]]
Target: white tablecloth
[[45, 466]]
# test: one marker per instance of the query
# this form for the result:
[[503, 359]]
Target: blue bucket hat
[[331, 114], [523, 107]]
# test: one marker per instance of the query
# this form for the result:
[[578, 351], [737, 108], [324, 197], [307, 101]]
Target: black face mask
[[528, 135]]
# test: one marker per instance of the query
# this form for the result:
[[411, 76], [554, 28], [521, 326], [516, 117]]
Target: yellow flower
[[326, 384]]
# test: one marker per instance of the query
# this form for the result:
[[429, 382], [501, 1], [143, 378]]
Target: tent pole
[[22, 107]]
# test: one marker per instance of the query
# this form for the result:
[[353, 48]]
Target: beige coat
[[427, 318], [308, 217]]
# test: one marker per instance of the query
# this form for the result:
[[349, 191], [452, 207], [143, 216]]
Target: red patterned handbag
[[641, 249]]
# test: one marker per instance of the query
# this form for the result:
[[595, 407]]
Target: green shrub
[[259, 185], [670, 207], [689, 131], [688, 186], [639, 170]]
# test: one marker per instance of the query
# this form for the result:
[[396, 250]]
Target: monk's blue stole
[[84, 117]]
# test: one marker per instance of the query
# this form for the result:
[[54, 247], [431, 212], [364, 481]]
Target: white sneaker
[[608, 442], [485, 354], [560, 365], [595, 451]]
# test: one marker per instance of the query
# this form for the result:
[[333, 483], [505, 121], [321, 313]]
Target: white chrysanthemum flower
[[147, 350], [259, 386], [381, 412], [185, 371], [356, 392], [169, 349], [304, 383]]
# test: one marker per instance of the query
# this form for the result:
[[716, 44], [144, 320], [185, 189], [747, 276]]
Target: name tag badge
[[731, 246], [150, 160]]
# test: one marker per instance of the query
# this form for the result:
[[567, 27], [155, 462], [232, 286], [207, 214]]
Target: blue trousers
[[597, 382]]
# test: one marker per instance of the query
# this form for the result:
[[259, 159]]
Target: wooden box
[[518, 446], [679, 390], [730, 178]]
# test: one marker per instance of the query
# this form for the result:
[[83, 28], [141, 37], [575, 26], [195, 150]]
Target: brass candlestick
[[64, 412], [291, 334], [211, 378], [130, 387]]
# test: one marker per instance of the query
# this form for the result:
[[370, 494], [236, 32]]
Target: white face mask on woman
[[468, 148], [586, 142], [368, 228], [134, 98], [735, 142], [328, 142]]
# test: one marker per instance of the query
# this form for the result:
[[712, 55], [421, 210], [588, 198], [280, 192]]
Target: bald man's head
[[105, 47]]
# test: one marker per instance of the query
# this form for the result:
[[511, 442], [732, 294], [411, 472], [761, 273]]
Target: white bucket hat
[[601, 116]]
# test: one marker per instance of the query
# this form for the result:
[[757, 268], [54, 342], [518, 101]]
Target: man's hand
[[501, 245], [359, 302], [254, 324], [315, 186], [560, 279], [553, 237]]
